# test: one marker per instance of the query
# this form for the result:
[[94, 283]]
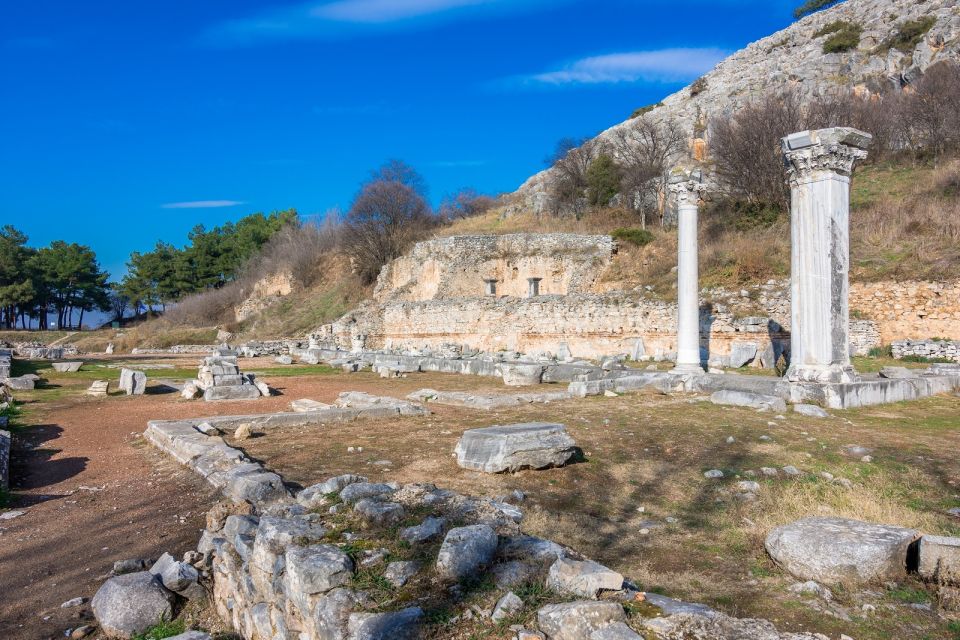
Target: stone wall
[[909, 310], [591, 325], [933, 349], [459, 266]]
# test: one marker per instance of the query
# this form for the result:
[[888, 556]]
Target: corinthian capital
[[686, 185], [834, 150]]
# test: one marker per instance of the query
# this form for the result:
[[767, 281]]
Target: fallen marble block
[[533, 445]]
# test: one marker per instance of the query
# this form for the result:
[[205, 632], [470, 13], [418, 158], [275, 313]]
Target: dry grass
[[650, 452]]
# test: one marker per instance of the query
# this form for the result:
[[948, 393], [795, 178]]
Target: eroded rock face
[[840, 550], [533, 445], [131, 603]]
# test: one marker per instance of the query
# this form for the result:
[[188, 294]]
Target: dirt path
[[94, 492]]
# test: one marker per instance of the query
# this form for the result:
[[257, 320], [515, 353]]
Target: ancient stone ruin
[[219, 378]]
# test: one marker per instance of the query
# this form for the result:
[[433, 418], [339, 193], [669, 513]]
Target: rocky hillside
[[899, 39]]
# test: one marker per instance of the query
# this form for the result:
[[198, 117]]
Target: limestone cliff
[[794, 58]]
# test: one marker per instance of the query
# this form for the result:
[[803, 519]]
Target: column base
[[687, 369], [823, 374]]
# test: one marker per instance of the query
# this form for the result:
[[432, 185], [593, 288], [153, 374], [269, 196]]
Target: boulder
[[356, 491], [133, 382], [840, 550], [578, 620], [585, 579], [742, 354], [759, 401], [521, 375], [177, 576], [810, 410], [533, 445], [396, 625], [131, 603], [506, 606], [426, 531], [190, 391], [379, 512], [939, 559], [465, 550], [283, 360], [399, 573]]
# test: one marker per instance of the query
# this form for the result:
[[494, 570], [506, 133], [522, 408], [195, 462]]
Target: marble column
[[819, 164], [687, 187]]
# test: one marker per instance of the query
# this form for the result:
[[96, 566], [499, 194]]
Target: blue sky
[[123, 122]]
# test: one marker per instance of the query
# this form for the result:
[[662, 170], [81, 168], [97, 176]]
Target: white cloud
[[664, 65], [342, 18], [380, 11], [202, 204]]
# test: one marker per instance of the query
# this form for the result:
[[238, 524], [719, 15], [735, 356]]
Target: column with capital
[[687, 186], [819, 165]]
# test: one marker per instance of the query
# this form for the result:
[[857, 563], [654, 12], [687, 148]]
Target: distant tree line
[[63, 278], [209, 260]]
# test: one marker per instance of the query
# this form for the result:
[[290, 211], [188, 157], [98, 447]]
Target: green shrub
[[603, 180], [699, 86], [844, 36], [910, 33], [811, 6], [884, 351], [644, 110], [161, 630], [633, 235]]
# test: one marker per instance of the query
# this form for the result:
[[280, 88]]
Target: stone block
[[758, 401], [240, 392], [316, 569], [939, 559], [534, 445], [67, 367], [840, 550], [396, 625], [742, 354], [4, 459], [21, 383], [520, 375], [133, 382]]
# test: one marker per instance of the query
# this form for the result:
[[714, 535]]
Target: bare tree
[[569, 180], [933, 110], [386, 217], [747, 148], [465, 203], [645, 151]]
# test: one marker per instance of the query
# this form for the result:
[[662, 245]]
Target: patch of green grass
[[954, 628], [161, 630], [908, 595], [635, 236]]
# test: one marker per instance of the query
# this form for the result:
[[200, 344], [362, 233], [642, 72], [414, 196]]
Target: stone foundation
[[932, 349]]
